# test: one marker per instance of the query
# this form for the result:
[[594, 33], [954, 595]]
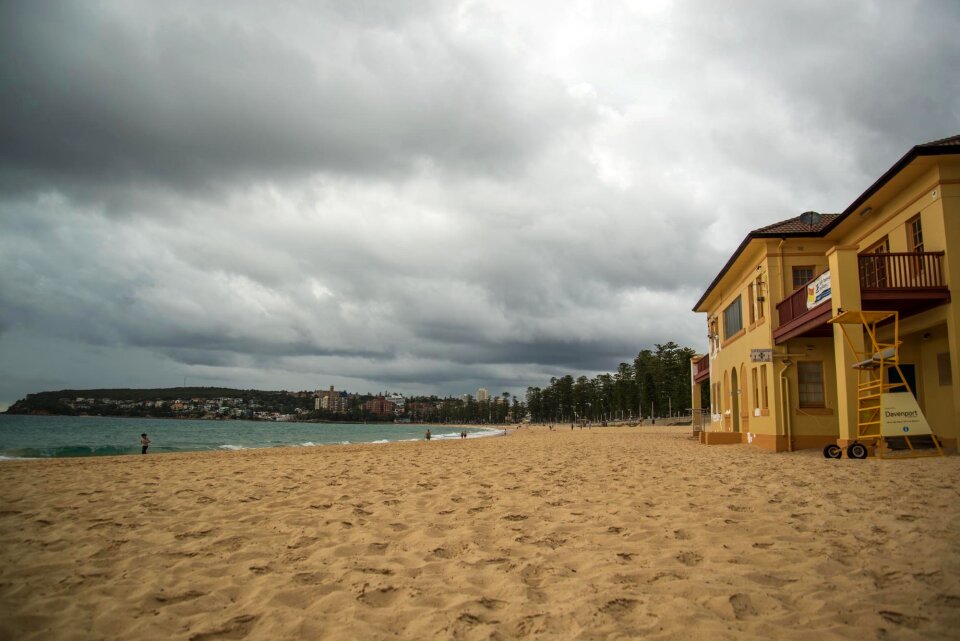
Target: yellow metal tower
[[888, 417]]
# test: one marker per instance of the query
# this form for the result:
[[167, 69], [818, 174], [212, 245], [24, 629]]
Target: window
[[802, 275], [915, 234], [810, 383], [751, 307], [764, 404], [760, 298], [873, 269], [732, 319], [915, 241], [756, 389]]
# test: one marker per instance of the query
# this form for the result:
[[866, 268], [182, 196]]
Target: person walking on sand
[[144, 443]]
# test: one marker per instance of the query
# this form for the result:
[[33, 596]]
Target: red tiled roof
[[795, 226], [952, 141]]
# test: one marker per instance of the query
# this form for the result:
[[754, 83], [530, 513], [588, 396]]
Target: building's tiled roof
[[952, 141], [795, 226]]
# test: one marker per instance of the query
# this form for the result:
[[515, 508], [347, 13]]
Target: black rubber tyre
[[832, 451], [857, 451]]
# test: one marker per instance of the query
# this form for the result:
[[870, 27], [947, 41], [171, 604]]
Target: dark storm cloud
[[93, 98]]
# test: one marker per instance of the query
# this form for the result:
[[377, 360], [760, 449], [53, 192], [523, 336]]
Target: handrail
[[901, 270], [794, 305], [703, 364]]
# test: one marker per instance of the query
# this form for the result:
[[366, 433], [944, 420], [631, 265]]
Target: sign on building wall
[[761, 355], [901, 416], [819, 290]]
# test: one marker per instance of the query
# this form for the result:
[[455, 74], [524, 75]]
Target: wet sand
[[609, 533]]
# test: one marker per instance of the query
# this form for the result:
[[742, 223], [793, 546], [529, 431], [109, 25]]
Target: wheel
[[832, 451], [857, 451]]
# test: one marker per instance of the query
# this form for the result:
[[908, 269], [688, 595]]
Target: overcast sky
[[425, 197]]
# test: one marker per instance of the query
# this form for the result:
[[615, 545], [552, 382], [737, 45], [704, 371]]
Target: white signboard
[[818, 290], [901, 416], [761, 355]]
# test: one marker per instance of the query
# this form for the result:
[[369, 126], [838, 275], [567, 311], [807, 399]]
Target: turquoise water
[[57, 436]]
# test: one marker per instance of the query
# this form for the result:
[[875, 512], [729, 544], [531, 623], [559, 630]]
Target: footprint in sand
[[380, 571], [689, 558], [236, 628], [898, 618], [491, 604], [171, 599], [195, 534], [742, 606], [309, 578], [378, 598], [618, 607]]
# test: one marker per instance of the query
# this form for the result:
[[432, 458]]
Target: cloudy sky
[[421, 196]]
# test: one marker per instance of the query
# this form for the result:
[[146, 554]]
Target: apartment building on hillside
[[779, 375]]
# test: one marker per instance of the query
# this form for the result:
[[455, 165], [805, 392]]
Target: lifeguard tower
[[888, 416]]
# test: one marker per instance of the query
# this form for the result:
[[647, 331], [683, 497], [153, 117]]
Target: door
[[734, 400], [874, 269], [909, 377]]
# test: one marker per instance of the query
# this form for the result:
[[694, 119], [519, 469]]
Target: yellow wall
[[930, 188]]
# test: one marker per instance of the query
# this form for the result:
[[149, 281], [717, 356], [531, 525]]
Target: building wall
[[934, 194]]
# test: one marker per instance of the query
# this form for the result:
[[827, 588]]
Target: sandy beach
[[610, 533]]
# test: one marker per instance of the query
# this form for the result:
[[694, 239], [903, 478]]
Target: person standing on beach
[[144, 443], [427, 435]]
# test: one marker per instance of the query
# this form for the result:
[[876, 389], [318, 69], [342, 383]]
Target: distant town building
[[398, 402], [379, 406], [483, 394], [331, 400]]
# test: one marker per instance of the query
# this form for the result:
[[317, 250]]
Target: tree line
[[655, 384]]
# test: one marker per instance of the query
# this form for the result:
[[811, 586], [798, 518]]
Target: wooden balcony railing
[[703, 369], [794, 305], [901, 270], [907, 282]]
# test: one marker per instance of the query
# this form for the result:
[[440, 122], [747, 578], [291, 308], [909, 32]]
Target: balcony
[[905, 282], [703, 370], [796, 319]]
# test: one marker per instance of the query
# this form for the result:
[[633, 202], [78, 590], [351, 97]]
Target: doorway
[[909, 377], [734, 400]]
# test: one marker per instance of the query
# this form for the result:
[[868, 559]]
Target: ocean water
[[57, 436]]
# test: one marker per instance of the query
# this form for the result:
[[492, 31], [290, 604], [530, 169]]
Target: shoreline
[[103, 451]]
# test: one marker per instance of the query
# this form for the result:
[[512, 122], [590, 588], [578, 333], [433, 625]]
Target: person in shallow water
[[144, 443], [427, 435]]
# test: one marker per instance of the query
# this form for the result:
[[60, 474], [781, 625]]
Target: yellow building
[[780, 376]]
